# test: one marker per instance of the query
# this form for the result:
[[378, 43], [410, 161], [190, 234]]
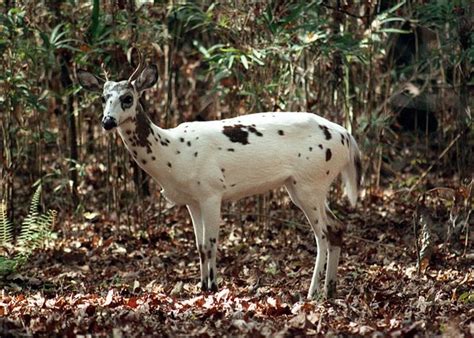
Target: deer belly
[[236, 189]]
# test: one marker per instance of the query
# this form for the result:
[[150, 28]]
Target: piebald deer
[[201, 164]]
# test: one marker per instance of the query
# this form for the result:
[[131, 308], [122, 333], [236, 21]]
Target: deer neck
[[146, 142]]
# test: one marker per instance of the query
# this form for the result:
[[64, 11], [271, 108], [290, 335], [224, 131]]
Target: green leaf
[[94, 28], [397, 6], [231, 61], [244, 61], [393, 19], [393, 30], [204, 51], [253, 58], [222, 75]]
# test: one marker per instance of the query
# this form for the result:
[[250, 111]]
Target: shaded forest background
[[397, 74]]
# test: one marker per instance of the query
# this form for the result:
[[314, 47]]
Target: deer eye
[[128, 99]]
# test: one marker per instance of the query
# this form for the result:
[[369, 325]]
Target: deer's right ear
[[89, 81]]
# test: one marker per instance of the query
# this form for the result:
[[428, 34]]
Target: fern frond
[[6, 228], [35, 201], [42, 229], [46, 221], [35, 229], [30, 222]]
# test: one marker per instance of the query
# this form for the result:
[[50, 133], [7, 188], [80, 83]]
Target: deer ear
[[89, 81], [147, 78]]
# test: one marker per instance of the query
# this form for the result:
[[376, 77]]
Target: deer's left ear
[[88, 81], [147, 78]]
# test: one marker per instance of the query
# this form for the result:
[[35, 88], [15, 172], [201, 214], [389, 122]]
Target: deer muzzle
[[109, 123]]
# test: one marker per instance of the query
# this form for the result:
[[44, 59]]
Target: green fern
[[6, 228], [35, 229], [29, 227], [45, 222]]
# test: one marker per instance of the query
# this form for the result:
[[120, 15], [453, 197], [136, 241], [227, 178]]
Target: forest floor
[[102, 278]]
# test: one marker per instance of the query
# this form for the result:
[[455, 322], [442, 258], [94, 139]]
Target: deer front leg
[[196, 217], [211, 218], [319, 268]]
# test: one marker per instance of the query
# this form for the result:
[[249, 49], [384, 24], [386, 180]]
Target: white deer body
[[201, 164], [197, 159]]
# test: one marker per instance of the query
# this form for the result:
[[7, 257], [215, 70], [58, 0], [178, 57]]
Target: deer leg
[[335, 230], [333, 261], [211, 217], [311, 207], [195, 213], [321, 259]]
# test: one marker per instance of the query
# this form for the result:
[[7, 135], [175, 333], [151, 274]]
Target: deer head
[[120, 99]]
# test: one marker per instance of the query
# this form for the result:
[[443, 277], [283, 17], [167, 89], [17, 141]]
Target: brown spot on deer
[[328, 154], [236, 134], [142, 129], [326, 132], [253, 130], [239, 133], [202, 254]]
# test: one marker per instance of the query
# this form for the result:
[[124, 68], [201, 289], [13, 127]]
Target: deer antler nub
[[102, 65]]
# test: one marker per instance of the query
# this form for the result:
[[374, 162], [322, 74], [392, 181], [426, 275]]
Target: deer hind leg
[[195, 213], [334, 231], [311, 203], [211, 218]]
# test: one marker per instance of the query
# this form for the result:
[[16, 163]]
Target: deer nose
[[108, 123]]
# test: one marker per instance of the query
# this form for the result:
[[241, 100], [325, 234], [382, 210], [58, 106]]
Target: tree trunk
[[464, 114], [66, 82]]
